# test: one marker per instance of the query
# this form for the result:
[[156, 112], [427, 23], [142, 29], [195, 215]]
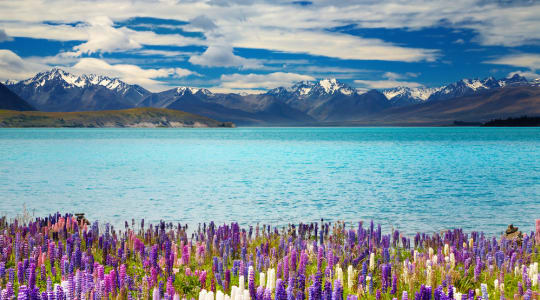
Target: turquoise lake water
[[415, 179]]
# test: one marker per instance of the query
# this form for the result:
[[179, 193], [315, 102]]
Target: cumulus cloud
[[203, 22], [103, 37], [261, 81], [524, 60], [221, 55], [13, 67], [386, 84], [4, 37]]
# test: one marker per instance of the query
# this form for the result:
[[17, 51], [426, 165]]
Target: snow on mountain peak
[[419, 94], [71, 80]]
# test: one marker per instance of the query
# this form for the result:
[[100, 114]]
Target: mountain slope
[[57, 90], [136, 117], [401, 96], [10, 101], [350, 107]]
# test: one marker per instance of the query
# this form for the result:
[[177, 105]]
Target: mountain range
[[326, 101]]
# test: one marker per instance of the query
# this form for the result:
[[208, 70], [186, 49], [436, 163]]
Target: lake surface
[[415, 179]]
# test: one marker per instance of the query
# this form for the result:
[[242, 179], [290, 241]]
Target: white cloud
[[525, 60], [279, 27], [221, 55], [528, 75], [203, 22], [103, 37], [129, 73], [393, 76], [328, 44], [261, 81], [13, 67], [386, 84]]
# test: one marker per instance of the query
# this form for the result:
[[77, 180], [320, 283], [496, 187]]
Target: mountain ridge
[[305, 102]]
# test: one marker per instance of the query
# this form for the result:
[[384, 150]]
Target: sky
[[252, 46]]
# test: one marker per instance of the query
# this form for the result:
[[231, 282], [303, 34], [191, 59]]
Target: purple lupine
[[260, 293], [251, 284], [281, 294], [337, 294], [23, 293], [394, 284], [267, 294]]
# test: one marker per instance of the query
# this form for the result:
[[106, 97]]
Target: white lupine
[[350, 276], [233, 292], [271, 279], [155, 294], [452, 260], [220, 295], [339, 273], [202, 294], [372, 261], [533, 273], [415, 255], [368, 279], [210, 295], [262, 279], [496, 284], [241, 283], [429, 275], [405, 273], [446, 249], [430, 252], [246, 295], [434, 260], [457, 296]]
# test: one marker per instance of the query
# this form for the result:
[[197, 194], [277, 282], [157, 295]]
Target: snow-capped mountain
[[329, 99], [306, 89], [58, 90], [466, 87], [404, 95]]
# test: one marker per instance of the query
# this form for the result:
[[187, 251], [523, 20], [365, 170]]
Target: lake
[[415, 179]]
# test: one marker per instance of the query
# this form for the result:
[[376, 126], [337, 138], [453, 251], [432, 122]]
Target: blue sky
[[249, 45]]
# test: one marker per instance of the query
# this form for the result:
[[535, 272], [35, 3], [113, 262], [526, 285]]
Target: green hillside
[[135, 117]]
